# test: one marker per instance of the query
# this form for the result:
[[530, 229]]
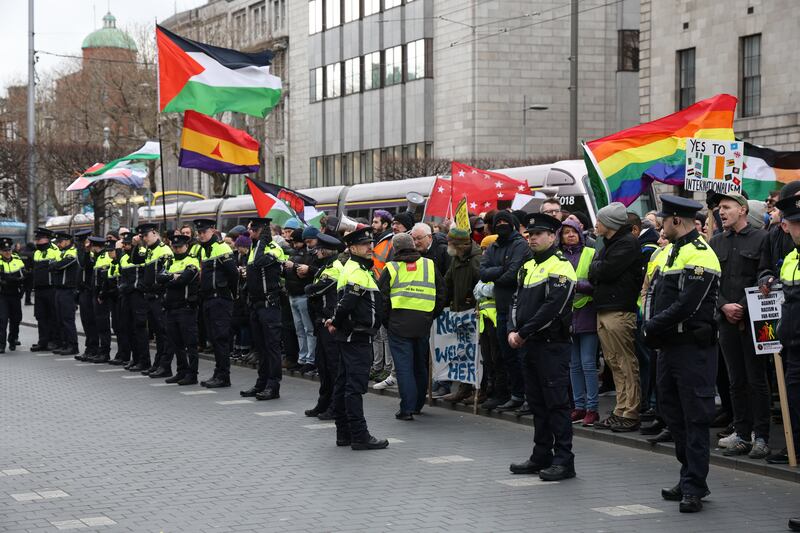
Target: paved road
[[83, 448]]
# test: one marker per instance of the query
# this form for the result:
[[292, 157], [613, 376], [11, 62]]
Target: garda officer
[[541, 318], [12, 276], [355, 321], [182, 279], [789, 326], [102, 306], [65, 272], [85, 306], [111, 293], [155, 257], [45, 304], [321, 304], [217, 282], [132, 311], [263, 277], [680, 322]]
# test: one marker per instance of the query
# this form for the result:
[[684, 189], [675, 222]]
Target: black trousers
[[547, 388], [326, 358], [124, 327], [87, 313], [686, 378], [140, 339], [181, 327], [265, 326], [791, 361], [747, 373], [217, 316], [65, 309], [355, 360], [494, 380], [44, 309], [10, 317], [155, 321], [102, 323]]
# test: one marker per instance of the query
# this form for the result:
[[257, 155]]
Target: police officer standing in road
[[85, 305], [102, 306], [182, 280], [680, 322], [65, 274], [541, 318], [355, 321], [263, 282], [132, 337], [12, 275], [218, 281], [45, 304]]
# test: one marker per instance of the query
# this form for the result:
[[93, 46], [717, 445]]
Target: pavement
[[92, 448]]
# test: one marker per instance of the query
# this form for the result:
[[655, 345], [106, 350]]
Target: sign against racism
[[765, 312], [714, 165], [455, 347]]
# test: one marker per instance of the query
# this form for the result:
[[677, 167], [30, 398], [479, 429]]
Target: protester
[[647, 238], [477, 226], [296, 276], [382, 364], [552, 207], [431, 246]]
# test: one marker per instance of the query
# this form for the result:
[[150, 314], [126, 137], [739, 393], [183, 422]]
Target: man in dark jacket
[[616, 274], [296, 273], [647, 237], [777, 245], [413, 295], [431, 246], [500, 265]]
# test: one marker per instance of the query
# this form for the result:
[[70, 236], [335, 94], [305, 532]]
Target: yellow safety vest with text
[[583, 275], [412, 288]]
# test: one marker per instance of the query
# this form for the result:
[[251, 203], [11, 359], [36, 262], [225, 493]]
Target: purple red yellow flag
[[210, 145]]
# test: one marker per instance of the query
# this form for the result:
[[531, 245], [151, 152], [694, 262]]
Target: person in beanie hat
[[616, 273], [403, 222]]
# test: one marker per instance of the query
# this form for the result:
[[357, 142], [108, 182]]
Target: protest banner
[[765, 312], [462, 215], [455, 347], [714, 165]]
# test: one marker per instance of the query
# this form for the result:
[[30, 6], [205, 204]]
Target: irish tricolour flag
[[210, 79]]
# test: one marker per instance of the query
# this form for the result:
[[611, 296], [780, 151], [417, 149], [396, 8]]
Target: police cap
[[676, 206], [127, 238], [202, 224], [541, 222], [63, 236], [329, 242], [6, 244], [362, 235], [81, 234], [110, 244], [94, 240], [181, 240], [42, 233], [258, 222], [790, 208], [143, 229]]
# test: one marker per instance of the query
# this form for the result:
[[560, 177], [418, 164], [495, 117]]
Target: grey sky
[[61, 26]]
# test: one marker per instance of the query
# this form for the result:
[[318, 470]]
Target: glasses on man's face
[[551, 212]]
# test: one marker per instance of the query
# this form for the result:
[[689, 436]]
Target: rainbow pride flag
[[627, 162]]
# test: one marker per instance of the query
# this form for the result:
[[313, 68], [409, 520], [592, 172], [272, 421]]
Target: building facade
[[692, 50]]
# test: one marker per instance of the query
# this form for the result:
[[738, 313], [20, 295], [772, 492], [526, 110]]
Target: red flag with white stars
[[482, 188]]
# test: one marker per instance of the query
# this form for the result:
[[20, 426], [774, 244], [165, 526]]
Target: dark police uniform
[[322, 298], [680, 322], [218, 280], [65, 273], [154, 259], [12, 277], [356, 318], [542, 316], [263, 282], [101, 304], [182, 280], [85, 299], [45, 304], [131, 310], [112, 294]]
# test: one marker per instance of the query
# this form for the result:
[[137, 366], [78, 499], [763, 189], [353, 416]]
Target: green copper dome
[[109, 36]]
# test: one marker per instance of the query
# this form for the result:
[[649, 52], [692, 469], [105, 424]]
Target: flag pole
[[161, 165], [225, 188]]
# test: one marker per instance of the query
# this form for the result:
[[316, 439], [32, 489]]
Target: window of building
[[279, 170], [628, 51], [388, 4], [317, 85], [375, 170], [313, 172], [751, 75], [685, 78], [352, 75], [258, 18], [347, 169], [371, 7], [314, 16], [275, 122], [394, 66], [418, 59], [333, 80], [352, 10], [333, 13], [372, 71], [278, 14], [239, 27]]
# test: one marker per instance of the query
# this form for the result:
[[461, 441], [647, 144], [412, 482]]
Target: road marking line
[[395, 441], [234, 402], [65, 525], [83, 364], [59, 359], [627, 510], [275, 413], [525, 482], [112, 370], [133, 377], [94, 521], [321, 426], [443, 459], [198, 392], [49, 355], [15, 472], [49, 494], [163, 384], [26, 496]]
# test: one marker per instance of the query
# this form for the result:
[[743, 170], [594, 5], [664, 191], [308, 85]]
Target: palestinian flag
[[768, 170], [127, 173], [210, 79], [269, 205], [210, 145], [313, 217], [150, 151], [294, 199]]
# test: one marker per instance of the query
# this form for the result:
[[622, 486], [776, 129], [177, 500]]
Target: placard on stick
[[714, 165]]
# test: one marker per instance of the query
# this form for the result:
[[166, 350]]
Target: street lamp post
[[525, 109]]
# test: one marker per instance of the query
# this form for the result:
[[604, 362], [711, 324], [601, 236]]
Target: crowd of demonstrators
[[645, 298]]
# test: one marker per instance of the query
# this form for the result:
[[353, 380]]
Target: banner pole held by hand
[[787, 421]]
